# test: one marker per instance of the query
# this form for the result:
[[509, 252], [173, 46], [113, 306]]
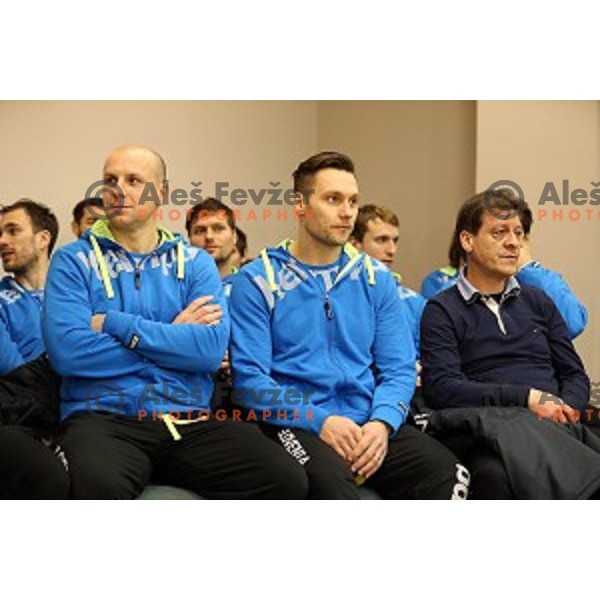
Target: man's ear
[[300, 203], [44, 238], [164, 188], [75, 228], [466, 241]]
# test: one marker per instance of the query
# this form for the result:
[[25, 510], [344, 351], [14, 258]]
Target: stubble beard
[[326, 238]]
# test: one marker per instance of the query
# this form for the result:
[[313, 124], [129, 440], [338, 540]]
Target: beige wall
[[416, 157], [52, 151], [535, 142]]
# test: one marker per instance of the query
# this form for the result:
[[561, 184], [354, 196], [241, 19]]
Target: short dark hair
[[82, 205], [41, 217], [470, 216], [455, 252], [210, 205], [368, 213], [241, 241], [527, 220], [304, 174]]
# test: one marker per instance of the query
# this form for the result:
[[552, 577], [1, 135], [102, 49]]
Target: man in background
[[31, 465], [210, 225], [376, 232], [85, 213]]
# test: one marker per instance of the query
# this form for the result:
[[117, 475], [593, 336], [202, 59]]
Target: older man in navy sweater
[[491, 341]]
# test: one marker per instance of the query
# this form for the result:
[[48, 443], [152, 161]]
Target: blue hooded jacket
[[20, 328], [227, 282], [141, 360], [414, 304], [347, 351], [573, 312], [533, 273], [438, 281]]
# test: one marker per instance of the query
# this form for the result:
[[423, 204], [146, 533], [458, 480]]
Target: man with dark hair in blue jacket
[[28, 233], [29, 461], [491, 341], [211, 225], [321, 348], [128, 326]]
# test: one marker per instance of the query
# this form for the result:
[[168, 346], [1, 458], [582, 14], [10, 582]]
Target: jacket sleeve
[[10, 356], [444, 384], [251, 359], [574, 383], [196, 348], [431, 285], [74, 348], [572, 310], [394, 357]]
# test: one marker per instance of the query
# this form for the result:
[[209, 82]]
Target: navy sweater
[[468, 361]]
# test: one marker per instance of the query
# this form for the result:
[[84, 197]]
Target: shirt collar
[[471, 294]]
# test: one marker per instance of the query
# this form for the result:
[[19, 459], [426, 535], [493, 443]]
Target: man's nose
[[346, 210], [512, 239], [391, 248]]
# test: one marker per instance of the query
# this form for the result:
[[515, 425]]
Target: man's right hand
[[549, 406], [342, 434], [200, 312]]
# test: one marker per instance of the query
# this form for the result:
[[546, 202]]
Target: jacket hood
[[351, 257], [105, 237], [101, 237]]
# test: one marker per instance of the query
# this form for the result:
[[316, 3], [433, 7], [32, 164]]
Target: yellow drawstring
[[170, 423], [110, 292], [349, 249], [180, 260], [269, 270], [370, 271], [108, 287]]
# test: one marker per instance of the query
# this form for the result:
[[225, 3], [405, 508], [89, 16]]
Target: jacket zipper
[[327, 306]]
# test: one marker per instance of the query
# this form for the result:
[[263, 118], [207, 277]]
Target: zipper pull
[[328, 309], [137, 278]]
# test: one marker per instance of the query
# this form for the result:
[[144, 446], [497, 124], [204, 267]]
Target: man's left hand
[[372, 448]]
